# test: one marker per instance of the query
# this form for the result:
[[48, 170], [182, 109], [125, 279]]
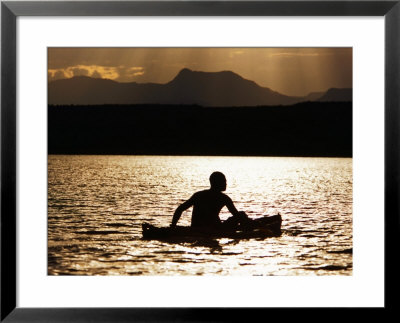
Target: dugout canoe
[[261, 228]]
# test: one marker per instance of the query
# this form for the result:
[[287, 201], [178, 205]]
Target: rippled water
[[96, 205]]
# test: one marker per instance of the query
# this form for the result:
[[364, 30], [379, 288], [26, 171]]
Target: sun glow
[[290, 71]]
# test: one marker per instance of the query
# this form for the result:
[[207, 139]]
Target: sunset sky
[[290, 71]]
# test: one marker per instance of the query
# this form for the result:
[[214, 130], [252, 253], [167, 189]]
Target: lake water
[[96, 205]]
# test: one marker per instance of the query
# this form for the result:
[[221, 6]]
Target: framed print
[[187, 160]]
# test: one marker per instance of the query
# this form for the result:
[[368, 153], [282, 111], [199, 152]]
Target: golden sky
[[290, 71]]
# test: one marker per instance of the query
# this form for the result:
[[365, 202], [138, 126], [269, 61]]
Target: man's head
[[218, 181]]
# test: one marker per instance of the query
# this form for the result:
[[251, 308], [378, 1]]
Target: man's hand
[[243, 215]]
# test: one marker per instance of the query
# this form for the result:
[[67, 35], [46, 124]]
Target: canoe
[[261, 228]]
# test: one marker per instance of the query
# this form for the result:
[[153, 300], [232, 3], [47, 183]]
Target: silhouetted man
[[208, 203]]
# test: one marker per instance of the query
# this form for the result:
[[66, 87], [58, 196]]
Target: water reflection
[[96, 205]]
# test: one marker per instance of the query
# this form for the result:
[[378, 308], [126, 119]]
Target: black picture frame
[[11, 10]]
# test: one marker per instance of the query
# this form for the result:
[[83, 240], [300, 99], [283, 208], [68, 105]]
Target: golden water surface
[[96, 205]]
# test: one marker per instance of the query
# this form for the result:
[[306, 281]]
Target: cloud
[[80, 72], [134, 71], [119, 73], [308, 52], [290, 54], [96, 75], [128, 74], [55, 75], [236, 53]]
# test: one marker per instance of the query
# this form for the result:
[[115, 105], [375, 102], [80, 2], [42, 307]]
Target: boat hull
[[261, 228]]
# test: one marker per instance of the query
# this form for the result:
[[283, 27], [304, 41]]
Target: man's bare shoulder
[[226, 197], [211, 193], [200, 193]]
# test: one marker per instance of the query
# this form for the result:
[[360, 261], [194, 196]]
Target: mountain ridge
[[223, 88]]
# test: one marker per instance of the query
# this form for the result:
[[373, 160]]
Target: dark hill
[[83, 90], [305, 129], [337, 95], [222, 89], [188, 87], [313, 96]]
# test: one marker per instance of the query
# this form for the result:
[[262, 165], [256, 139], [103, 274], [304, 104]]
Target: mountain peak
[[185, 70], [223, 88], [188, 75]]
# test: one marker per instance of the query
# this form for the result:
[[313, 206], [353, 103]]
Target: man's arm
[[240, 216], [178, 212], [231, 207]]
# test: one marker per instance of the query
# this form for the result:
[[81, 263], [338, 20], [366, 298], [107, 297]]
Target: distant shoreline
[[156, 155], [310, 129]]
